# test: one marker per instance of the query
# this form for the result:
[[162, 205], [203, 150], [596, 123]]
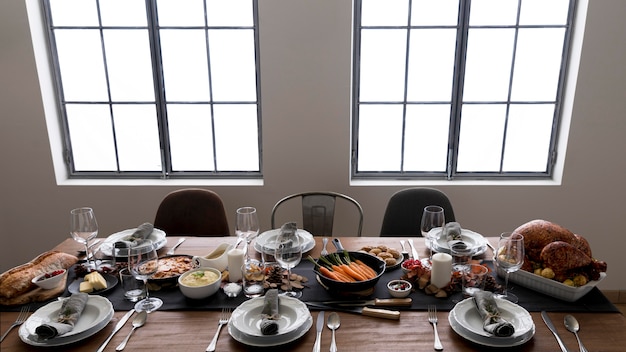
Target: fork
[[325, 242], [432, 318], [19, 321], [224, 318]]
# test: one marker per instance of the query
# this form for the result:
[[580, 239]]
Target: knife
[[548, 321], [117, 328], [413, 251], [320, 327], [378, 302], [371, 312]]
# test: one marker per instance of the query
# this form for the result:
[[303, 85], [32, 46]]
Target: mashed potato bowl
[[200, 283]]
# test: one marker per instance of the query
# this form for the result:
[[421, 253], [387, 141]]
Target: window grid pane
[[107, 69], [505, 79]]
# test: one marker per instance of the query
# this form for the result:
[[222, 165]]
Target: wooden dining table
[[192, 330]]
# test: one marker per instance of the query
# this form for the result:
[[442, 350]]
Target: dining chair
[[192, 212], [403, 214], [318, 211]]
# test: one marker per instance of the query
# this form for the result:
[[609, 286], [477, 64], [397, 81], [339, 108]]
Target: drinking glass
[[84, 228], [432, 217], [510, 257], [288, 254], [143, 262], [247, 227]]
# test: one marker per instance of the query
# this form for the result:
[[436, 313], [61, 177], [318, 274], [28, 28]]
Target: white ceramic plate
[[550, 287], [270, 341], [266, 237], [157, 237], [96, 315], [465, 321], [247, 317], [475, 240]]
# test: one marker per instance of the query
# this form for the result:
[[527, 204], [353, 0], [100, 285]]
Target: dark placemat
[[173, 299]]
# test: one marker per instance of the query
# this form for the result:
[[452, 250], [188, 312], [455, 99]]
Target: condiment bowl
[[198, 283], [399, 288], [50, 279]]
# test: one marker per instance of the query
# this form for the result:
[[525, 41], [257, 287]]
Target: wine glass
[[288, 254], [143, 262], [510, 257], [432, 217], [84, 228], [247, 227]]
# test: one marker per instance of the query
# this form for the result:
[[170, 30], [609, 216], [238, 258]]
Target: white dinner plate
[[473, 239], [268, 341], [466, 321], [266, 237], [157, 237], [96, 315], [247, 317]]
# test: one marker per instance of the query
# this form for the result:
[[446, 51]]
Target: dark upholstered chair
[[192, 212], [404, 211], [318, 211]]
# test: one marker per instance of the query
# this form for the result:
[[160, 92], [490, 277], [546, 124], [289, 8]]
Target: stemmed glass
[[510, 257], [143, 262], [247, 226], [84, 228], [432, 217], [288, 254]]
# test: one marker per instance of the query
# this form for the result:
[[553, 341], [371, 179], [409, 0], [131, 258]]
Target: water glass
[[253, 277], [133, 288], [474, 277]]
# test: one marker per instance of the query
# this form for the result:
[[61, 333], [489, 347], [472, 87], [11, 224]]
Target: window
[[157, 88], [458, 89]]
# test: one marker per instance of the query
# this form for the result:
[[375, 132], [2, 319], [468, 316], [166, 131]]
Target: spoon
[[333, 324], [138, 322], [572, 325]]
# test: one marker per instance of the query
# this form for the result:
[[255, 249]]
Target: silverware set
[[571, 324]]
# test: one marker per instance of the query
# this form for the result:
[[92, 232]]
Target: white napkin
[[70, 312], [270, 313], [488, 310]]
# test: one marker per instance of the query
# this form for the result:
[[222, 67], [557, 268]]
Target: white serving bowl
[[399, 288], [51, 282], [203, 291]]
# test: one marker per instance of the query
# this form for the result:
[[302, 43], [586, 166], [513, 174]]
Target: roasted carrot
[[360, 269], [367, 268], [329, 274], [357, 276]]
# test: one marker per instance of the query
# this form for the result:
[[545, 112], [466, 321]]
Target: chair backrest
[[404, 211], [192, 212], [318, 211]]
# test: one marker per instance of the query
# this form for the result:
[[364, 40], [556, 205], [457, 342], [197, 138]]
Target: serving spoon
[[138, 322], [333, 324], [572, 325]]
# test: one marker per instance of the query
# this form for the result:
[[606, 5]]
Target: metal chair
[[318, 211], [192, 212], [404, 211]]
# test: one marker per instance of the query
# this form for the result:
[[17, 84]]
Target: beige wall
[[305, 58]]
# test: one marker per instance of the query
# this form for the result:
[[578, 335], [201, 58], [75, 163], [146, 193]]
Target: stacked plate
[[157, 237], [96, 315], [265, 239], [245, 322], [471, 238], [465, 321]]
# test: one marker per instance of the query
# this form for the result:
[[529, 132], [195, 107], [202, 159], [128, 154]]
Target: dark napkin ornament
[[70, 312], [270, 314], [488, 310]]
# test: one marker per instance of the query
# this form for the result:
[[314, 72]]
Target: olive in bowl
[[399, 288], [200, 283], [50, 279]]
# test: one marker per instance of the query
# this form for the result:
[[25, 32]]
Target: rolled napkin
[[488, 310], [452, 231], [142, 232], [288, 227], [270, 313], [70, 312]]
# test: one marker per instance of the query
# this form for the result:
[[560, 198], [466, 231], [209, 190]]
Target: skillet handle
[[337, 244]]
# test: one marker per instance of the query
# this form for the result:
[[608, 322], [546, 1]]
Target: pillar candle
[[441, 269], [235, 261]]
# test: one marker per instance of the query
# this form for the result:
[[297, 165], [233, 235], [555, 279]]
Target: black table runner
[[173, 299]]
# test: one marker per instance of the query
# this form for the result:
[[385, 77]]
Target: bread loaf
[[17, 281]]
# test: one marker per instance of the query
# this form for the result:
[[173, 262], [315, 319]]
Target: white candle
[[235, 261], [441, 269]]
